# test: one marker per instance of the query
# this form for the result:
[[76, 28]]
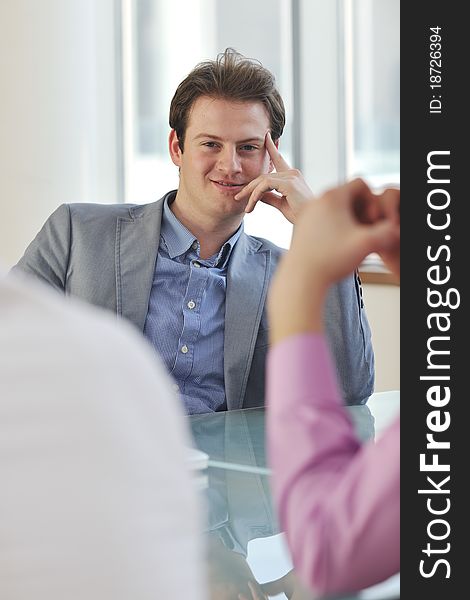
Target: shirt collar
[[225, 252], [179, 240]]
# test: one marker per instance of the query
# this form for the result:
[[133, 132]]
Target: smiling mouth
[[228, 184]]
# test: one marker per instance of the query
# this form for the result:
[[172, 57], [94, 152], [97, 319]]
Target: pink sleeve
[[338, 500]]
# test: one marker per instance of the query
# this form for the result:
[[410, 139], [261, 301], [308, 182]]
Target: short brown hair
[[231, 76]]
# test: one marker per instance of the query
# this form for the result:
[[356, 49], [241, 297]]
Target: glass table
[[245, 543]]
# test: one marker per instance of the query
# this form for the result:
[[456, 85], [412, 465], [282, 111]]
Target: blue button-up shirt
[[186, 314]]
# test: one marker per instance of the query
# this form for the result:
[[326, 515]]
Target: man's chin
[[228, 204], [232, 207]]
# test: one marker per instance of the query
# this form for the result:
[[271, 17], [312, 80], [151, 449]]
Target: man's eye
[[210, 144], [248, 147]]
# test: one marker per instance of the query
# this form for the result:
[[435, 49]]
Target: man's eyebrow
[[258, 140]]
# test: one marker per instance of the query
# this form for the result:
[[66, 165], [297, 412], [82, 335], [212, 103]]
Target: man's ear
[[174, 148]]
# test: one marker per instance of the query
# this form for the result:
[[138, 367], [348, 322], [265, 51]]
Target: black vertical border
[[423, 132]]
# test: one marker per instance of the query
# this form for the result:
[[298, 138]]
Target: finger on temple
[[279, 163]]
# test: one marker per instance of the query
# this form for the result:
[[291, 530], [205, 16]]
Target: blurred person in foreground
[[96, 499], [338, 499]]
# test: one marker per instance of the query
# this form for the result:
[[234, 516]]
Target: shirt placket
[[197, 283]]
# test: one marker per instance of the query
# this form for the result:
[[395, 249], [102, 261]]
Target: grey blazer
[[106, 255]]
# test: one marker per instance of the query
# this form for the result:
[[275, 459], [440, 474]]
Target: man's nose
[[229, 161]]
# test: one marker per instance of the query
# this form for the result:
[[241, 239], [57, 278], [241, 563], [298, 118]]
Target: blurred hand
[[256, 593], [340, 229], [331, 238], [229, 575], [288, 585]]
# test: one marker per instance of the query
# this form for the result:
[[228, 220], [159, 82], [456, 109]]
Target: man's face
[[224, 149]]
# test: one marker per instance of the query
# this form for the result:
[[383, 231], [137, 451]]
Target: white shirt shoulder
[[97, 499]]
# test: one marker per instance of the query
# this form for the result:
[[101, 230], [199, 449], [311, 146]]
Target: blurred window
[[375, 101]]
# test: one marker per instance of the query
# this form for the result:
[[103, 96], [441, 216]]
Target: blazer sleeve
[[349, 339], [47, 256]]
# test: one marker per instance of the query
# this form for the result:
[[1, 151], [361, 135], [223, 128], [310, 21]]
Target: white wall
[[58, 112], [382, 303]]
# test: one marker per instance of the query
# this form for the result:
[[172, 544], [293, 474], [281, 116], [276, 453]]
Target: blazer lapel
[[247, 283], [137, 240]]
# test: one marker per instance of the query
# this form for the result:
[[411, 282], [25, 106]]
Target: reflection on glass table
[[247, 553]]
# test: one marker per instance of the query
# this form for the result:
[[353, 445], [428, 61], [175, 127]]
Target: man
[[96, 501], [182, 269]]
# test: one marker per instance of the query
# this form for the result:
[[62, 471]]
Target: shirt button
[[176, 387], [194, 245], [184, 349], [196, 264], [191, 304]]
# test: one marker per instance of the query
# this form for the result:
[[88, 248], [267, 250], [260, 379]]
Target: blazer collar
[[137, 240], [247, 284]]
